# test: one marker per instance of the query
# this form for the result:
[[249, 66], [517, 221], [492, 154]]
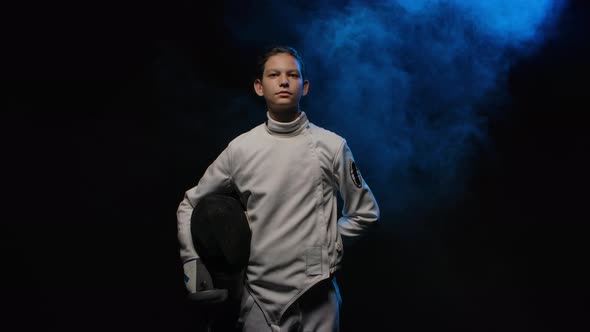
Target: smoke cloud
[[406, 82]]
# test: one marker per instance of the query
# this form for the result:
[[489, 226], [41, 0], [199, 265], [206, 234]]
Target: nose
[[284, 81]]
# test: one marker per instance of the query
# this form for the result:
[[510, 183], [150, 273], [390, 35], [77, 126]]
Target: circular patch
[[355, 175]]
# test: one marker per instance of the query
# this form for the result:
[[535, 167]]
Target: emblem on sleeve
[[355, 175]]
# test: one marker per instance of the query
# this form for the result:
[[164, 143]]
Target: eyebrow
[[288, 70]]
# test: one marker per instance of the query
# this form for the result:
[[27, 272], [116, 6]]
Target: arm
[[360, 208], [217, 178]]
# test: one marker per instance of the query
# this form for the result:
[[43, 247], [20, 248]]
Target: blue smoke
[[404, 81], [510, 21]]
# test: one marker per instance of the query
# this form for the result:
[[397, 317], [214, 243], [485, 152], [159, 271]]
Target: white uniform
[[287, 175]]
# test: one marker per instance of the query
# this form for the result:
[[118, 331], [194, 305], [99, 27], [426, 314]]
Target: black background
[[93, 176]]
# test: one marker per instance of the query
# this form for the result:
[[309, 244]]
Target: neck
[[284, 115], [286, 129]]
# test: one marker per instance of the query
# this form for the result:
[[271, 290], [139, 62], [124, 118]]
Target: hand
[[199, 283]]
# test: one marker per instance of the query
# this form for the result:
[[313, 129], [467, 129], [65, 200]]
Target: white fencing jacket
[[287, 175]]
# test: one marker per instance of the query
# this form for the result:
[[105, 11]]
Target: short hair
[[278, 50]]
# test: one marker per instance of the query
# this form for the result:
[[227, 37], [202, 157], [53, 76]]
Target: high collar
[[292, 128]]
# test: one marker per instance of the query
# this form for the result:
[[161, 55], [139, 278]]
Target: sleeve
[[217, 178], [360, 208]]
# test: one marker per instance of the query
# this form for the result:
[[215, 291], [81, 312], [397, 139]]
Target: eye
[[273, 75], [294, 75]]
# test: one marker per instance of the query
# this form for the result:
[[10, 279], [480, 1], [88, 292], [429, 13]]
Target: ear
[[258, 87], [305, 87]]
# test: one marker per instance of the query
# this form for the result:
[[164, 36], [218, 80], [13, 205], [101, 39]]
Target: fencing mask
[[221, 236]]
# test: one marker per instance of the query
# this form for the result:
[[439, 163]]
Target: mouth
[[284, 93]]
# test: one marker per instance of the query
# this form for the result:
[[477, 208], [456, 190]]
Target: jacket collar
[[292, 128]]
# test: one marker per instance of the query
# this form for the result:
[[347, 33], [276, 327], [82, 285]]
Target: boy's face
[[282, 85]]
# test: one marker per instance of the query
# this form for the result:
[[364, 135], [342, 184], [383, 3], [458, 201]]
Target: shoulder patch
[[355, 174]]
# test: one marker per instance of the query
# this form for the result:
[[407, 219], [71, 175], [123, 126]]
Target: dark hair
[[278, 50]]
